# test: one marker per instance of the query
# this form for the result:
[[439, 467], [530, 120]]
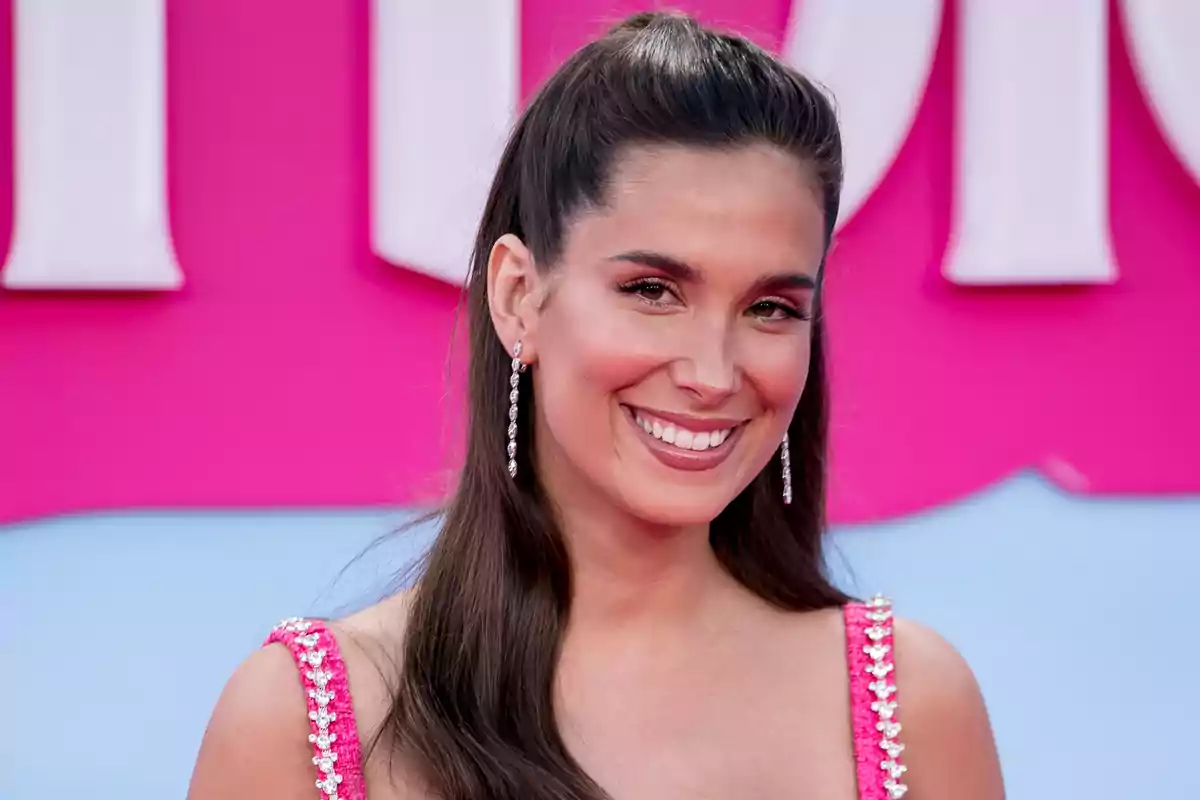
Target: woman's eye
[[652, 291], [772, 311]]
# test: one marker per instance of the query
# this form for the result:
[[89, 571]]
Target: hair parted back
[[474, 709]]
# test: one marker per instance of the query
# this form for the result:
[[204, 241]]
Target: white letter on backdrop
[[1162, 36], [875, 57], [1031, 182], [444, 90], [90, 204]]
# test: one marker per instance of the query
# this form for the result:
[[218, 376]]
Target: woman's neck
[[623, 573], [630, 575]]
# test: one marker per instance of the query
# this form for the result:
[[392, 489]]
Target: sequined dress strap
[[873, 700], [337, 756]]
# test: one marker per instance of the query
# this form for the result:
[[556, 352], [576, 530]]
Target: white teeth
[[682, 437]]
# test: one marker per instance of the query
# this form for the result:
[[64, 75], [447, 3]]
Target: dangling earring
[[785, 457], [514, 393]]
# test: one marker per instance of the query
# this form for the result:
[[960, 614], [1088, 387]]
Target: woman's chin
[[675, 506]]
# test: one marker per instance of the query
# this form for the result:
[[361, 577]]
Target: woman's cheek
[[608, 345], [777, 365]]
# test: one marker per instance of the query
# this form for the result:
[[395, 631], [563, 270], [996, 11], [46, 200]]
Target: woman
[[627, 598]]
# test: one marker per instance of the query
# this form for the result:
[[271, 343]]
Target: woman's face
[[673, 340]]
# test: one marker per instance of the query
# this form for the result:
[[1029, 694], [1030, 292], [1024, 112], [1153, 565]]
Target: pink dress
[[337, 755]]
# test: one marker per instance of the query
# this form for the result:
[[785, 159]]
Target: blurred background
[[235, 235]]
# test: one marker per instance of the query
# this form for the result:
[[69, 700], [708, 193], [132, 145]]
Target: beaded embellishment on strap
[[877, 747], [336, 751]]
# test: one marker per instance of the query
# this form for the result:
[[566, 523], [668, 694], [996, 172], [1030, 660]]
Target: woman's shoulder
[[372, 646], [922, 654], [377, 626], [369, 644], [276, 696], [949, 748], [256, 743], [937, 682]]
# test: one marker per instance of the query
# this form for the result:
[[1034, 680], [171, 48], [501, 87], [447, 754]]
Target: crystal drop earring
[[785, 457], [514, 394]]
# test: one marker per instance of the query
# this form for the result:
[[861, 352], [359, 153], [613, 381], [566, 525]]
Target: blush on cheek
[[777, 369], [604, 345], [604, 362], [580, 365]]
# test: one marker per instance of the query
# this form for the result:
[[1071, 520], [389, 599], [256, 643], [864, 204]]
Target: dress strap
[[873, 700], [334, 737]]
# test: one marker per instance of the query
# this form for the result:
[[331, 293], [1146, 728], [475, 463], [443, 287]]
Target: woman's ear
[[513, 295]]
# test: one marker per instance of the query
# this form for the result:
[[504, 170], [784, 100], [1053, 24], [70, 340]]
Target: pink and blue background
[[1017, 466]]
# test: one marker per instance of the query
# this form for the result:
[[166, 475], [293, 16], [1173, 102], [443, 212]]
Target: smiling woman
[[627, 597]]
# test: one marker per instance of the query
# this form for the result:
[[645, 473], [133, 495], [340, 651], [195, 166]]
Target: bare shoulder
[[256, 744], [372, 645], [382, 624], [949, 748]]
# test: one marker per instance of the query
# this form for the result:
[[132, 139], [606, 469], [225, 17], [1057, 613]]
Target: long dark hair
[[474, 709]]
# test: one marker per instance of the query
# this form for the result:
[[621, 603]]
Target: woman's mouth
[[683, 442], [678, 435]]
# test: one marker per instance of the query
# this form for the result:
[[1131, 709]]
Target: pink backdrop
[[296, 369]]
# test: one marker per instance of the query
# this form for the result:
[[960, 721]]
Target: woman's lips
[[686, 443]]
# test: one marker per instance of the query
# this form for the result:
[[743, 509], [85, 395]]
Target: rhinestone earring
[[785, 457], [514, 394]]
